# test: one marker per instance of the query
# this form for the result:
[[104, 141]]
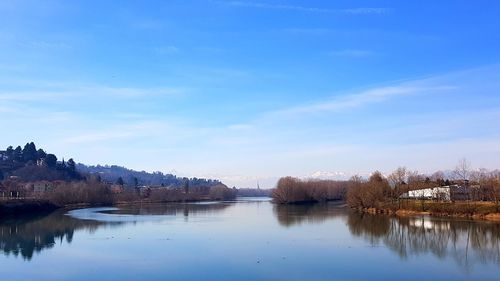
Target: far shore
[[409, 213], [16, 207]]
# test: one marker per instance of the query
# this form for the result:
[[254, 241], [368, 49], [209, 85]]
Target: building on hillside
[[443, 193], [3, 155], [39, 188], [3, 191], [116, 189], [144, 191], [40, 162]]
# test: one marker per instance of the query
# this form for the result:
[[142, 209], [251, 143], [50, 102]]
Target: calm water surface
[[250, 239]]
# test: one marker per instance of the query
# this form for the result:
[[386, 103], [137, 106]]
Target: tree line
[[293, 190], [384, 192], [31, 173], [128, 177], [31, 164], [381, 191]]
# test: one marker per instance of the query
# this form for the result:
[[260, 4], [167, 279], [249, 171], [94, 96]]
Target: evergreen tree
[[119, 181], [186, 186], [17, 155], [29, 152], [10, 152], [51, 160], [40, 154], [71, 165]]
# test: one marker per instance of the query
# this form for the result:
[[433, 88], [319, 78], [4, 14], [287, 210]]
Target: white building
[[436, 193]]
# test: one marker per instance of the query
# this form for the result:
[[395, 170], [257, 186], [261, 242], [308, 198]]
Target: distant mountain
[[131, 177]]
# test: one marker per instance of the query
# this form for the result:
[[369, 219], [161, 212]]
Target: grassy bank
[[469, 209]]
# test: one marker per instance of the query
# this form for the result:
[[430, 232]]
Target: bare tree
[[438, 177], [398, 177], [462, 170]]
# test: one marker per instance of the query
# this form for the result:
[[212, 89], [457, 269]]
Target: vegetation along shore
[[462, 192], [32, 180]]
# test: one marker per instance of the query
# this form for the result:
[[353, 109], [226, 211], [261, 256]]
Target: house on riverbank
[[443, 193], [15, 189]]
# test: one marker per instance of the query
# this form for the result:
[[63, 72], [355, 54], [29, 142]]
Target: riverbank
[[470, 210], [9, 208], [15, 207]]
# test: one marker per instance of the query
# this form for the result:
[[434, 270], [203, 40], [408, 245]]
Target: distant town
[[30, 175]]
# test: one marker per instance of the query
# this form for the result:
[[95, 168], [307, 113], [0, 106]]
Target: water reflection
[[193, 209], [289, 215], [466, 242], [27, 235], [463, 242]]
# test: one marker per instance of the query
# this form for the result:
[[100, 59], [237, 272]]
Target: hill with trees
[[128, 177], [32, 164]]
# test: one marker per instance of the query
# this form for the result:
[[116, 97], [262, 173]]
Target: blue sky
[[249, 91]]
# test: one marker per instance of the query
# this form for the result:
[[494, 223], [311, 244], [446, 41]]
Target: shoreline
[[491, 217], [23, 207], [12, 208]]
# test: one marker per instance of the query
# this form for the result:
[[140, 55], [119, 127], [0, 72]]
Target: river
[[247, 239]]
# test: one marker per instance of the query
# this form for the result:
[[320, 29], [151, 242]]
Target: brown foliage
[[80, 192], [293, 190], [217, 192], [368, 194]]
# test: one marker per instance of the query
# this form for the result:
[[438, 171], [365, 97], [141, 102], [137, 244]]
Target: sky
[[249, 91]]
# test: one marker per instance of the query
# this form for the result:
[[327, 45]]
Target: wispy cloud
[[352, 53], [365, 11], [362, 98], [6, 109], [95, 137], [166, 50], [47, 44], [261, 5], [62, 91], [148, 24], [134, 130]]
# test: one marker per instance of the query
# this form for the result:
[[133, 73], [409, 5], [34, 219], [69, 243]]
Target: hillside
[[30, 164], [131, 177]]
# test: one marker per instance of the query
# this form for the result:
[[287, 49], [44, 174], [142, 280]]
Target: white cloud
[[363, 98], [353, 53], [60, 92], [109, 132], [95, 137], [148, 24], [166, 50], [48, 45], [261, 5]]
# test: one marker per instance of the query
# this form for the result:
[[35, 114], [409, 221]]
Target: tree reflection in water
[[174, 209], [467, 242], [295, 214], [27, 235]]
